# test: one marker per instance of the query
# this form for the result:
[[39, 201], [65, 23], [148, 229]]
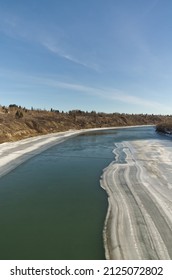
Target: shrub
[[19, 114]]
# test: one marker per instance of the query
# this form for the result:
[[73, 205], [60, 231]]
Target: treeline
[[17, 122], [18, 108]]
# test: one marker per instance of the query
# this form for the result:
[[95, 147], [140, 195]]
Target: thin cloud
[[16, 28], [61, 53], [130, 99], [103, 93], [9, 25]]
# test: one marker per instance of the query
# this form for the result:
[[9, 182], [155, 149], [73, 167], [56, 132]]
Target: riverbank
[[18, 123], [165, 128], [138, 183], [14, 153]]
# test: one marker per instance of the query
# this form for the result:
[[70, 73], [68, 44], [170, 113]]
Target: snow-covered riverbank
[[139, 219]]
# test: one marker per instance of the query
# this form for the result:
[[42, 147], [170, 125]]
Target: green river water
[[52, 206]]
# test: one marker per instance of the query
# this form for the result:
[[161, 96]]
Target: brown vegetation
[[18, 123], [165, 127]]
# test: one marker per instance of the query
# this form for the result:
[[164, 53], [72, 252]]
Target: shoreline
[[138, 223], [15, 153]]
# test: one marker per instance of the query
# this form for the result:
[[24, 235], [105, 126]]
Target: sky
[[102, 55]]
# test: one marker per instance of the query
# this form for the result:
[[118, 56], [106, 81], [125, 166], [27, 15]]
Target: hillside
[[18, 123]]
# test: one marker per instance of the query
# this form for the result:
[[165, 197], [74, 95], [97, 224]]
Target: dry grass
[[165, 127], [18, 123]]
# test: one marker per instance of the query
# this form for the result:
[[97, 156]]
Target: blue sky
[[102, 55]]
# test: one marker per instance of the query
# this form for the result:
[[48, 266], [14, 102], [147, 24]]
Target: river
[[52, 205]]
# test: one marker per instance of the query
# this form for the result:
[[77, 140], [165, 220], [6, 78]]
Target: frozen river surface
[[139, 185]]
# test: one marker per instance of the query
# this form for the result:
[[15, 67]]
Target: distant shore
[[17, 123]]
